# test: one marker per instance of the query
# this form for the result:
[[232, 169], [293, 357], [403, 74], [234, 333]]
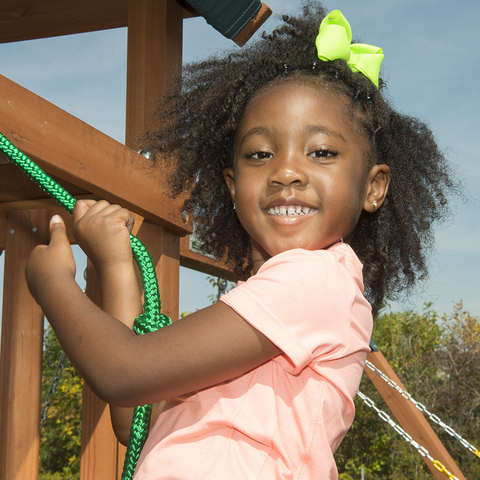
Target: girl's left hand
[[52, 262]]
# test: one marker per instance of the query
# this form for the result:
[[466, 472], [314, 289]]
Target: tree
[[437, 361], [459, 399], [61, 433]]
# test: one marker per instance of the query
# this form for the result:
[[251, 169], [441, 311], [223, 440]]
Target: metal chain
[[423, 409], [421, 450], [51, 391], [222, 283]]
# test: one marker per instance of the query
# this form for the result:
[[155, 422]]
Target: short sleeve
[[302, 301]]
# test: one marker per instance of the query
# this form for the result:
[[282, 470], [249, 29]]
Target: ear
[[377, 188], [229, 176]]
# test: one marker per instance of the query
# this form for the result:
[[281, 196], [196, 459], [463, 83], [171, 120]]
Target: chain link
[[222, 283], [421, 450], [434, 418], [51, 391]]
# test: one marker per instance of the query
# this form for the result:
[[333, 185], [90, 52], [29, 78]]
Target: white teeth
[[290, 210]]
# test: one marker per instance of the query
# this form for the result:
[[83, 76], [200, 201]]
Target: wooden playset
[[90, 164]]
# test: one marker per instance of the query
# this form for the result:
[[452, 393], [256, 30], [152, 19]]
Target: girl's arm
[[120, 297], [203, 349]]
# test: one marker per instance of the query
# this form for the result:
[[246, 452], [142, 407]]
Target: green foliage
[[58, 476], [459, 399], [61, 433], [437, 359]]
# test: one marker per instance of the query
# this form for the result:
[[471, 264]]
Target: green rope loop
[[150, 320]]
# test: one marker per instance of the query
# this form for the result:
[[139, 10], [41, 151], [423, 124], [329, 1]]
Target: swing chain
[[222, 283], [421, 450], [423, 409], [51, 391]]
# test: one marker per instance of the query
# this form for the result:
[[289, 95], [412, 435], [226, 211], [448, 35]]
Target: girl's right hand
[[102, 230]]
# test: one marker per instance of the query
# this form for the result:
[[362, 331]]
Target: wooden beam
[[201, 263], [253, 25], [410, 418], [76, 152], [34, 19], [21, 352], [31, 19], [16, 186], [50, 208]]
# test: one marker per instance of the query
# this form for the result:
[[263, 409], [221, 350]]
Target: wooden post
[[21, 351], [154, 51], [410, 418], [100, 452]]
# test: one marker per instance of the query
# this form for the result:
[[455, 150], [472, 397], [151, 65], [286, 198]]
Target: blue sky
[[431, 66]]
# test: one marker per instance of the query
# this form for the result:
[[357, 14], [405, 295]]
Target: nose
[[287, 170]]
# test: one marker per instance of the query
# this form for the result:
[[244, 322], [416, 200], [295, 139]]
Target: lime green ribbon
[[334, 41]]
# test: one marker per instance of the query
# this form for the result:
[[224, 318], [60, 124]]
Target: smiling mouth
[[289, 210]]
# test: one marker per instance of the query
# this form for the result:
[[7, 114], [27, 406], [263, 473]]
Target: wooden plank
[[253, 25], [21, 352], [76, 152], [16, 186], [33, 19], [410, 418], [204, 264], [188, 258], [50, 208]]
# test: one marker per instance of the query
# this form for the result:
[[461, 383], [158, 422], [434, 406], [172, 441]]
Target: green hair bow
[[334, 42]]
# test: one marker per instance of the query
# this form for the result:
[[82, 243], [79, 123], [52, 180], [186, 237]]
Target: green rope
[[150, 320]]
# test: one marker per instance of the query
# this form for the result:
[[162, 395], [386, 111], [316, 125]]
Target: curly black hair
[[199, 117]]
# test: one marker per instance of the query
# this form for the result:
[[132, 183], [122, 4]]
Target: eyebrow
[[254, 131], [309, 129], [326, 131]]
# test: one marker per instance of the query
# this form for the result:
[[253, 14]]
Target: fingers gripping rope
[[150, 320]]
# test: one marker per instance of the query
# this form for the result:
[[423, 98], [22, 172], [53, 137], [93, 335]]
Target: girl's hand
[[50, 263], [103, 232]]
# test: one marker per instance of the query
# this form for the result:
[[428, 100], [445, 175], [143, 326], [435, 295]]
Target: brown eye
[[322, 153], [260, 155]]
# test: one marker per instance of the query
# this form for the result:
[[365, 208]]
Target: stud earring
[[374, 205]]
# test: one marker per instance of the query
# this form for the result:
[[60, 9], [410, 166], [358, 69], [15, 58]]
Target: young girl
[[300, 172]]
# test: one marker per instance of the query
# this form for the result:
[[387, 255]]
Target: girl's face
[[300, 178]]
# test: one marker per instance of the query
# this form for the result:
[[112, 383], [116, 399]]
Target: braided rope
[[150, 320]]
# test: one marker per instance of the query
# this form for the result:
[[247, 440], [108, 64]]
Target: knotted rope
[[150, 320]]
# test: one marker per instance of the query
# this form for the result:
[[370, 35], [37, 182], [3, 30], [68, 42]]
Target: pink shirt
[[285, 418]]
